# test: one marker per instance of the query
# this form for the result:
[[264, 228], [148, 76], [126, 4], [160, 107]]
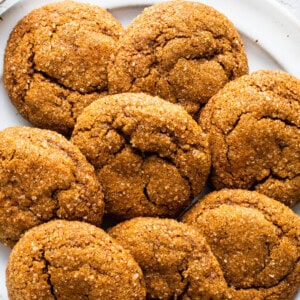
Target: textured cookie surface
[[72, 260], [43, 176], [181, 51], [176, 260], [56, 62], [151, 157], [254, 130], [255, 239]]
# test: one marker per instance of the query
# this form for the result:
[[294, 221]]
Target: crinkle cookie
[[176, 261], [42, 177], [150, 156], [255, 239], [70, 260], [56, 62], [181, 51], [254, 130]]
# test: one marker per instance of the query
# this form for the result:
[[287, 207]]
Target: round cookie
[[176, 261], [255, 239], [72, 260], [181, 51], [150, 156], [42, 177], [56, 62], [253, 126]]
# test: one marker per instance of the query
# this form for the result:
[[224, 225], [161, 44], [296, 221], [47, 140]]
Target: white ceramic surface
[[292, 6], [270, 33]]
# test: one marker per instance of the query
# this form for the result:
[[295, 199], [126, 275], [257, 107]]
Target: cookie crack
[[227, 132], [186, 282], [162, 44], [272, 175], [60, 84], [46, 271], [146, 154], [286, 122], [281, 280], [148, 198], [258, 207], [280, 236], [69, 154]]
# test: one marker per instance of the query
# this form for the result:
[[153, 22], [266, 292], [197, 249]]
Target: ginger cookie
[[56, 62], [72, 260], [176, 261], [42, 177], [253, 126], [181, 51], [255, 239], [150, 156]]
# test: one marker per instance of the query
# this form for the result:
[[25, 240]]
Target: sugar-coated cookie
[[182, 51], [56, 62], [71, 260], [42, 177], [150, 156]]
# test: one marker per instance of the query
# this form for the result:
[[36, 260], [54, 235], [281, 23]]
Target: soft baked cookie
[[72, 260], [181, 51], [56, 62], [253, 126], [150, 156], [42, 177], [255, 239], [176, 261]]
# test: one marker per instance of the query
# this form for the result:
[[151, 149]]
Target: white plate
[[271, 36]]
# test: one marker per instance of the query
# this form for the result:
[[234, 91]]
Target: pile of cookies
[[131, 125]]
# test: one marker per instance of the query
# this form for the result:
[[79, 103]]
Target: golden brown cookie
[[56, 62], [176, 261], [72, 260], [181, 51], [254, 131], [255, 239], [42, 177], [150, 156]]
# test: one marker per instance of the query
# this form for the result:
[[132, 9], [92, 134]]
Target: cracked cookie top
[[254, 130], [56, 62], [72, 260], [151, 157], [42, 177], [255, 239], [181, 51], [175, 259]]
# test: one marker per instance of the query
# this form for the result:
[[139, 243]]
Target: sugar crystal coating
[[183, 52], [42, 177], [150, 156], [255, 239], [253, 125], [56, 62], [72, 260]]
